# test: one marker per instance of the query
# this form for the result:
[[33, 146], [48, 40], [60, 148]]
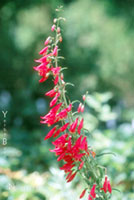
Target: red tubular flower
[[50, 134], [47, 41], [89, 197], [106, 186], [53, 27], [109, 187], [73, 126], [80, 126], [43, 59], [54, 100], [82, 108], [44, 78], [57, 133], [78, 141], [44, 50], [70, 176], [62, 114], [79, 108], [56, 70], [42, 68], [51, 93], [56, 80], [92, 194], [56, 108], [84, 97], [62, 155], [69, 108], [84, 144], [81, 165], [82, 194], [52, 117], [64, 127], [68, 152], [67, 166], [61, 140], [81, 144], [69, 146], [55, 51]]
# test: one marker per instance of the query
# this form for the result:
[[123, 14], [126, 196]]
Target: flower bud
[[55, 20], [63, 82], [79, 108], [82, 194], [53, 27], [84, 97], [62, 76], [47, 41], [60, 39], [81, 165], [58, 30], [44, 50], [82, 108], [55, 51]]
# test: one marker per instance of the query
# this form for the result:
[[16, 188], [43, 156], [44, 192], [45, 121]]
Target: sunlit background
[[98, 46]]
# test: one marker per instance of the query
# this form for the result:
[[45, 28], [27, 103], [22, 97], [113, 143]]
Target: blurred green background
[[98, 46]]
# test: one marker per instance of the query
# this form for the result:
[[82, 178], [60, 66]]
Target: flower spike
[[70, 145]]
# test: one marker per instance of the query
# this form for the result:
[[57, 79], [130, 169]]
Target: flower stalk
[[71, 143]]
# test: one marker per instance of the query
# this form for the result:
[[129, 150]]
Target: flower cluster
[[71, 144]]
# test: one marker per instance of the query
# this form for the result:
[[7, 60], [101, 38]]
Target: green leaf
[[102, 154]]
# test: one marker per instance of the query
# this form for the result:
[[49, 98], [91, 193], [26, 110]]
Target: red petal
[[56, 80], [81, 165], [51, 93], [55, 51], [44, 50], [82, 194], [50, 134], [54, 100], [69, 108], [57, 133], [64, 127], [105, 185], [47, 41], [73, 126], [79, 108], [80, 126], [71, 177], [109, 187]]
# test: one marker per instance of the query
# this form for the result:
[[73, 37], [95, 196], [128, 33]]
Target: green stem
[[90, 166]]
